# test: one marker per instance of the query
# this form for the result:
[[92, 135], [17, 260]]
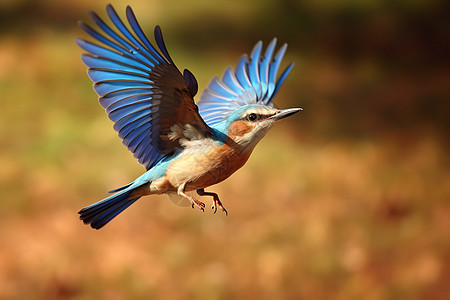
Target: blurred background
[[350, 199]]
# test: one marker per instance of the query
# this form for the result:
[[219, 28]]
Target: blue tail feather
[[100, 213]]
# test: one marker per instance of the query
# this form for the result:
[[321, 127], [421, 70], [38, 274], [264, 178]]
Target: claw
[[197, 203], [219, 204], [224, 210], [194, 201]]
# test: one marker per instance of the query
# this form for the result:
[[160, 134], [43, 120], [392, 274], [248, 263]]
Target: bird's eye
[[252, 117]]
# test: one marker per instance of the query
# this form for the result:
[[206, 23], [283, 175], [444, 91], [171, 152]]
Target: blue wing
[[254, 81], [141, 89]]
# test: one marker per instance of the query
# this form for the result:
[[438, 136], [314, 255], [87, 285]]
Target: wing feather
[[254, 82], [229, 79], [103, 63], [140, 88], [253, 69]]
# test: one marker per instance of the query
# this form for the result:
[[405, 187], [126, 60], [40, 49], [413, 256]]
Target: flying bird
[[184, 147]]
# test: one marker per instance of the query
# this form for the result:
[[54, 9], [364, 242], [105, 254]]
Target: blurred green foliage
[[349, 199]]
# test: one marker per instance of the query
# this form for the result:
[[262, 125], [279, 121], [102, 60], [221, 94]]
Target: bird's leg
[[216, 202], [194, 201]]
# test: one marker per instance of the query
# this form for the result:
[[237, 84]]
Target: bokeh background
[[349, 199]]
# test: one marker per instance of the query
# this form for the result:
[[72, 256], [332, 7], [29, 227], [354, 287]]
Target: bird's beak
[[283, 113]]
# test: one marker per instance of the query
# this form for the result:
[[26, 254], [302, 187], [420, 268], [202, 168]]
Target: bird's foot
[[193, 201], [197, 203], [217, 203]]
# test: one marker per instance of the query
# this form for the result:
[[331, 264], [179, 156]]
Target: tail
[[100, 213]]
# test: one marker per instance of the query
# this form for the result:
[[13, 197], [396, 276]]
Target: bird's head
[[248, 124]]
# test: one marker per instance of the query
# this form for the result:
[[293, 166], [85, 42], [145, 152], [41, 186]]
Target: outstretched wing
[[141, 89], [254, 81]]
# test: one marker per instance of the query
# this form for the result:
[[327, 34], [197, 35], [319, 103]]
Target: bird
[[184, 146]]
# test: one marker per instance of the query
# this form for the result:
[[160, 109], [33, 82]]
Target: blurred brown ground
[[348, 200]]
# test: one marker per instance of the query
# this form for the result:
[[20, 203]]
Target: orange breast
[[204, 169]]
